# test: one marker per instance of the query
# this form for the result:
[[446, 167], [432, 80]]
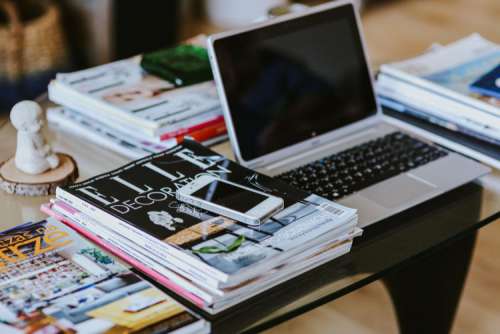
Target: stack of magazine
[[456, 86], [211, 261], [54, 281], [124, 108]]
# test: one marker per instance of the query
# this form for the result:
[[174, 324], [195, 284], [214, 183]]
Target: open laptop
[[299, 104]]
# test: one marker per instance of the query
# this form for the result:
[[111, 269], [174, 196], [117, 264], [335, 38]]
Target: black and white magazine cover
[[139, 201]]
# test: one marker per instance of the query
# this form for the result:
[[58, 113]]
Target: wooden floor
[[396, 30]]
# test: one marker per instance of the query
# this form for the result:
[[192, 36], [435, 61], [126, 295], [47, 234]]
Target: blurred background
[[39, 38]]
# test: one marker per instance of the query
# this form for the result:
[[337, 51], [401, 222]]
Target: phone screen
[[229, 196]]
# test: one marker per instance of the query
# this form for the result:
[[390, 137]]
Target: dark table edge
[[365, 281]]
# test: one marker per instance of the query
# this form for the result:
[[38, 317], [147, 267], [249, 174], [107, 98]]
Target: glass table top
[[383, 246]]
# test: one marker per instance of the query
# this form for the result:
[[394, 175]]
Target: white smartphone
[[229, 199]]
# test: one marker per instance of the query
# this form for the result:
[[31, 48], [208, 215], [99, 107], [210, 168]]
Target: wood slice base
[[15, 182]]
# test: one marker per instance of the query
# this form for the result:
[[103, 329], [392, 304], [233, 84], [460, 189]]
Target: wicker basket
[[30, 46]]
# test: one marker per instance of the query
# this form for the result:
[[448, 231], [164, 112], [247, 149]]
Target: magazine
[[126, 142], [448, 86], [124, 93], [138, 201], [210, 300], [449, 70], [127, 145], [427, 101], [451, 122], [54, 281]]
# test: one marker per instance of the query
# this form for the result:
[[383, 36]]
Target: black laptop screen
[[294, 80]]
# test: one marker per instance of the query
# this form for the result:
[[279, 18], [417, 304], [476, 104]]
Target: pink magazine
[[46, 208]]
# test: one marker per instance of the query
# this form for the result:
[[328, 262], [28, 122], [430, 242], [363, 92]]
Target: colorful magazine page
[[138, 200], [454, 67], [54, 281]]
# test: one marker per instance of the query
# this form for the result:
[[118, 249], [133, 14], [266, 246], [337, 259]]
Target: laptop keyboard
[[359, 167]]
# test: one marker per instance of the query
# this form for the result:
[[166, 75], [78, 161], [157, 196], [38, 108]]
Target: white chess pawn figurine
[[33, 154]]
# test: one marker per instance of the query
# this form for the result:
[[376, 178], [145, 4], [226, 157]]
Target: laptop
[[299, 104]]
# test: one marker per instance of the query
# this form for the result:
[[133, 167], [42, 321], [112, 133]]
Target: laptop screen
[[294, 80]]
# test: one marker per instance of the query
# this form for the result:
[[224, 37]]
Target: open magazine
[[54, 281], [135, 208]]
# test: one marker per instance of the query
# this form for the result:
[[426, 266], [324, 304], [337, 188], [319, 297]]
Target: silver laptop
[[299, 103]]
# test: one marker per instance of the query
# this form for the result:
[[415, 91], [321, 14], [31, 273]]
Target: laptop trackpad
[[396, 191]]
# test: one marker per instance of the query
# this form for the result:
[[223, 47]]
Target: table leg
[[426, 294]]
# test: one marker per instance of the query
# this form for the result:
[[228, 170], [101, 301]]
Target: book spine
[[445, 92], [189, 130], [147, 268], [144, 240]]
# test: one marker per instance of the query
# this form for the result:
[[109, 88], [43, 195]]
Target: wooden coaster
[[13, 181]]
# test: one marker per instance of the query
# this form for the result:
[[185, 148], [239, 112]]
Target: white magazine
[[448, 71], [122, 92], [95, 132], [124, 143]]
